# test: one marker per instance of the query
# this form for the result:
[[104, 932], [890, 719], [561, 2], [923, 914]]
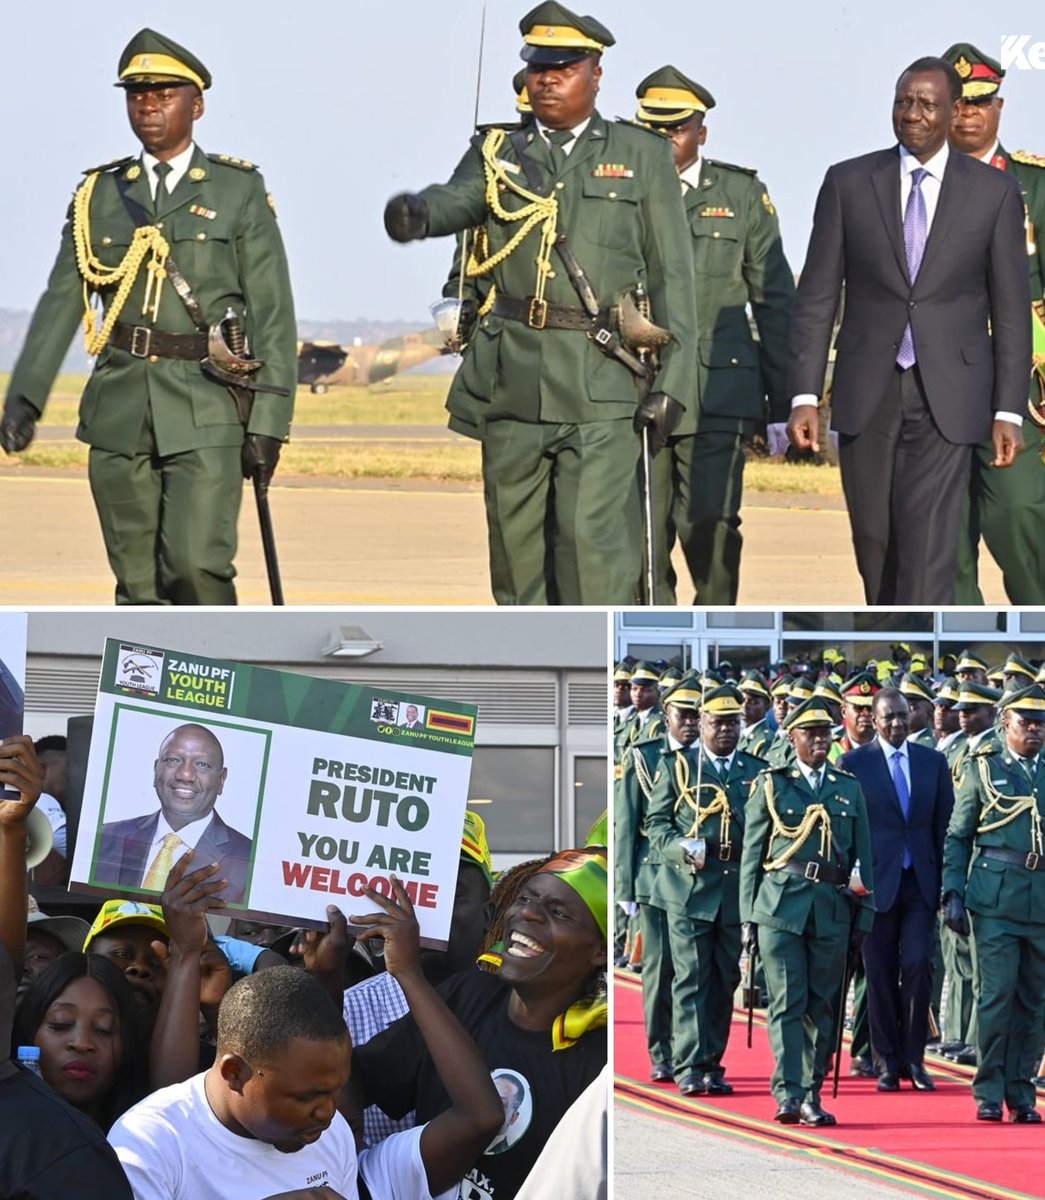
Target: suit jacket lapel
[[187, 189], [885, 182], [136, 191], [947, 208]]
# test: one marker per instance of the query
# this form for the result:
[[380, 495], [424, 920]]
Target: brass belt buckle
[[812, 871], [725, 851], [537, 317], [141, 339], [1031, 861]]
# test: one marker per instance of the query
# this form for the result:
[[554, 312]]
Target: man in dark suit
[[909, 800], [189, 775], [934, 352]]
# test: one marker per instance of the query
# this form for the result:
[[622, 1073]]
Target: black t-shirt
[[49, 1151], [537, 1084]]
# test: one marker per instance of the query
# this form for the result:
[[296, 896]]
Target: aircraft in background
[[323, 365]]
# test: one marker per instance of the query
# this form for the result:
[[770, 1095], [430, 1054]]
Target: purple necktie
[[904, 794], [915, 231]]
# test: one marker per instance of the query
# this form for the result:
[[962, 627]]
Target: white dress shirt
[[577, 130], [905, 759], [179, 164], [189, 834]]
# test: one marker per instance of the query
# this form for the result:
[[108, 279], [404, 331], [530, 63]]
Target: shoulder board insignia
[[507, 126], [987, 746], [111, 166], [613, 171], [1028, 159], [133, 172], [717, 210], [768, 203], [197, 173], [714, 162], [618, 771], [229, 161], [271, 202], [631, 123]]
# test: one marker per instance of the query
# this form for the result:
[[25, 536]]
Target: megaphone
[[39, 839]]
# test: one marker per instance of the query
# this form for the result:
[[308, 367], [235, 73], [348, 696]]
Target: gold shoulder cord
[[798, 834], [719, 805], [642, 774], [538, 210], [1005, 809], [147, 240]]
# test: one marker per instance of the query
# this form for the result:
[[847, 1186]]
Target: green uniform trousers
[[1007, 507], [698, 481], [169, 523], [804, 978], [706, 959], [959, 1024], [657, 974], [562, 510], [1009, 1004]]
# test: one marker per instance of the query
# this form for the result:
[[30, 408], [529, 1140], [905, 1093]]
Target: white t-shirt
[[173, 1147]]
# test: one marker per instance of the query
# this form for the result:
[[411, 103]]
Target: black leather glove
[[406, 218], [749, 937], [260, 454], [661, 415], [18, 424], [954, 915]]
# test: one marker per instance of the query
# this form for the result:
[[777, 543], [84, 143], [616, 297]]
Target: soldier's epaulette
[[840, 770], [1028, 159], [507, 126], [990, 745], [714, 162], [633, 124], [228, 161], [111, 166]]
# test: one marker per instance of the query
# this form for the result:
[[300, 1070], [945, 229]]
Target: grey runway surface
[[397, 542], [654, 1159]]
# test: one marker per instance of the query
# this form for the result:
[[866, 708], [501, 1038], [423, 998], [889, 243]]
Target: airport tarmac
[[397, 542]]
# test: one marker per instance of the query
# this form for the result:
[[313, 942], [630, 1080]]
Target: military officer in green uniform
[[758, 734], [1017, 671], [696, 827], [920, 696], [545, 384], [994, 881], [638, 865], [806, 827], [1005, 507], [168, 449], [648, 716], [739, 260]]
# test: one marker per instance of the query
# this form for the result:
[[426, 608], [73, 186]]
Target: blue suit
[[124, 848], [898, 951]]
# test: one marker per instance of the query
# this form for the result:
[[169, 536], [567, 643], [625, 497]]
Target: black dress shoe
[[716, 1085], [1025, 1114], [988, 1111], [692, 1084], [864, 1067], [789, 1112], [965, 1057], [920, 1078], [810, 1113], [889, 1081], [662, 1072]]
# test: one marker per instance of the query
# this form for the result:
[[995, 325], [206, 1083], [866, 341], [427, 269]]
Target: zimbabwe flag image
[[455, 722]]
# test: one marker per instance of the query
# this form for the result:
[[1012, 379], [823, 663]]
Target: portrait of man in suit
[[909, 800], [512, 1090], [189, 775], [413, 718], [934, 350]]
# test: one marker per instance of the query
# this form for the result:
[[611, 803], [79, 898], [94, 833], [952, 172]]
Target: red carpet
[[927, 1142]]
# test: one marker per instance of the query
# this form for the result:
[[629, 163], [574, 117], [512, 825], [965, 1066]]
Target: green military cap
[[687, 693], [725, 700], [980, 74], [913, 684], [973, 695], [860, 688], [1028, 702], [827, 689], [621, 673], [801, 689], [522, 95], [996, 675], [810, 712], [554, 36], [1015, 665], [948, 693], [967, 661], [782, 685], [150, 58], [753, 681], [1040, 677], [669, 677], [667, 97], [711, 678], [642, 672]]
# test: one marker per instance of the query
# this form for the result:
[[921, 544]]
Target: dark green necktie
[[558, 139], [162, 169]]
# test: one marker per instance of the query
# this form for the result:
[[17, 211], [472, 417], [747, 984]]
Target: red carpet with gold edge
[[928, 1142]]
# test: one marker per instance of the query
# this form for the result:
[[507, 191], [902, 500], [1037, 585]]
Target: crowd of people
[[148, 1055], [829, 824]]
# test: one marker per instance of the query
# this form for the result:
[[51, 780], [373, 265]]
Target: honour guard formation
[[782, 835]]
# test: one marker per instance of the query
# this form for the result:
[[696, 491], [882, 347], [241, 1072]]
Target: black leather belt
[[815, 872], [142, 341], [730, 852], [1031, 861], [539, 314]]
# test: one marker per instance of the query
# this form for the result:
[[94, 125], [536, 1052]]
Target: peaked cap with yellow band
[[644, 673], [914, 685], [585, 871], [522, 95], [980, 74], [1015, 665], [967, 661], [555, 37], [622, 673], [974, 695], [810, 712], [753, 681], [801, 689], [726, 700], [827, 689], [1028, 702], [151, 58], [687, 693], [667, 97], [782, 685], [948, 693]]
